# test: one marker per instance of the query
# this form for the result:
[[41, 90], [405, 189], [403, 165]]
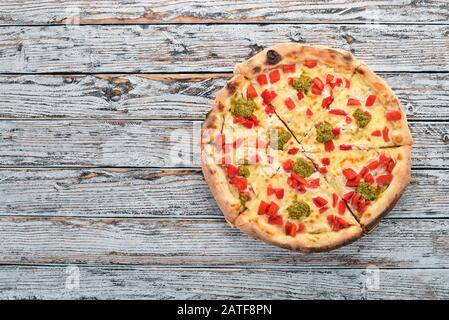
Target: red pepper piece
[[300, 95], [326, 161], [354, 102], [273, 209], [298, 178], [370, 100], [376, 133], [262, 79], [383, 159], [279, 193], [391, 166], [323, 209], [275, 220], [263, 208], [239, 182], [232, 170], [251, 93], [293, 151], [316, 91], [348, 196], [362, 206], [338, 82], [301, 227], [270, 190], [384, 179], [345, 147], [248, 123], [314, 183], [393, 115], [348, 120], [355, 182], [329, 78], [373, 165], [336, 131], [292, 183], [288, 165], [318, 83], [363, 171], [269, 109], [348, 84], [319, 201], [368, 178], [334, 200], [309, 112], [385, 134], [323, 170], [349, 173], [275, 75], [329, 146], [238, 119], [310, 63], [338, 112], [355, 200], [327, 102], [289, 103], [255, 120], [268, 96], [341, 207], [288, 68], [291, 228]]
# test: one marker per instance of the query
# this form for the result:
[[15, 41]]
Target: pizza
[[305, 148]]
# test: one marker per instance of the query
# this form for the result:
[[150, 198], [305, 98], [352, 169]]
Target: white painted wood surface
[[88, 115]]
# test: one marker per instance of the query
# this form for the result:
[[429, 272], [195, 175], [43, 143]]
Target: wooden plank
[[150, 96], [402, 243], [151, 143], [140, 11], [103, 282], [158, 193], [214, 48]]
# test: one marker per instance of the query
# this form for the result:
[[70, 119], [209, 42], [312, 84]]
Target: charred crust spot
[[220, 106], [257, 69], [230, 86], [273, 57], [360, 71], [347, 57]]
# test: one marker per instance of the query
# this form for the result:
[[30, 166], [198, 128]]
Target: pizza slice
[[366, 114], [370, 181]]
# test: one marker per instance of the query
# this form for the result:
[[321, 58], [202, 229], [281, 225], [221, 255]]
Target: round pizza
[[306, 148]]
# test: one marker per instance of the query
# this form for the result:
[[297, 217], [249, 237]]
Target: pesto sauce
[[324, 132], [298, 209], [244, 171], [361, 118], [242, 107], [303, 168], [302, 84], [278, 138], [367, 191], [243, 199]]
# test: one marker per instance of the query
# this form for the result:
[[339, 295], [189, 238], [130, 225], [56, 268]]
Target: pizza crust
[[303, 242], [288, 53], [401, 178]]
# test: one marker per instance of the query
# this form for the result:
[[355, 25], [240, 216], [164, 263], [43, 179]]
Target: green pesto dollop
[[244, 171], [302, 84], [298, 209], [242, 107], [367, 191], [361, 118], [324, 132], [278, 138], [243, 199], [303, 168]]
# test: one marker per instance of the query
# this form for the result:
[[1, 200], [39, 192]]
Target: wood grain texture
[[139, 11], [105, 282], [158, 193], [173, 96], [215, 48], [402, 243], [150, 143]]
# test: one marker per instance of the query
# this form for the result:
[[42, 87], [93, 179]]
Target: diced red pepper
[[288, 165], [301, 227], [348, 120], [329, 78], [338, 82], [323, 209], [327, 102], [248, 123], [273, 209], [368, 178], [354, 102], [310, 63], [238, 119], [239, 182], [291, 228], [348, 196], [319, 201], [298, 178], [300, 95], [336, 131], [318, 83], [391, 166], [279, 192], [384, 179], [376, 133], [326, 161], [270, 190], [345, 147], [323, 170], [268, 96], [349, 173], [338, 112], [354, 182], [251, 93], [275, 220], [314, 183], [289, 103], [393, 115], [329, 146], [370, 100], [348, 84], [355, 199], [275, 75], [362, 206], [292, 183], [334, 200], [363, 171], [342, 207], [288, 68], [232, 170], [309, 112], [293, 151], [316, 91], [383, 159], [373, 165], [262, 79], [385, 135], [263, 208], [269, 109]]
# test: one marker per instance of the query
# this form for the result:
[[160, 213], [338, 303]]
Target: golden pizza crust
[[401, 178]]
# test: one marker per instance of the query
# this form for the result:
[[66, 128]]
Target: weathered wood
[[150, 96], [151, 143], [140, 11], [104, 282], [158, 193], [215, 48], [401, 243]]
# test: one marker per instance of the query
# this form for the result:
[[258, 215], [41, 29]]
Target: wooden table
[[90, 106]]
